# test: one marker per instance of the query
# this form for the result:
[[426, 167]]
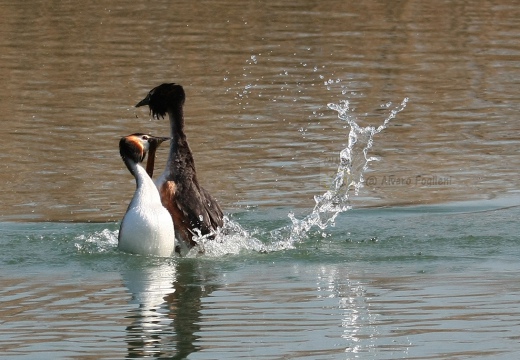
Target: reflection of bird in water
[[166, 321], [189, 204], [147, 227], [150, 332]]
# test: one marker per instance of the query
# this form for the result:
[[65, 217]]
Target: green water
[[412, 282]]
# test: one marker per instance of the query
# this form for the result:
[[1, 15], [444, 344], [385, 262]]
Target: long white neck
[[146, 189]]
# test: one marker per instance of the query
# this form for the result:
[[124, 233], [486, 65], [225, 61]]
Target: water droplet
[[353, 163]]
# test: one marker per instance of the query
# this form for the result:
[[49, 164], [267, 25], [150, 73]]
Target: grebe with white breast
[[189, 204], [147, 227]]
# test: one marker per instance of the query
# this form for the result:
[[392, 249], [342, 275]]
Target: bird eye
[[145, 137]]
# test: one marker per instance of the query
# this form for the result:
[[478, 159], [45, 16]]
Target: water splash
[[97, 242], [354, 161], [232, 239]]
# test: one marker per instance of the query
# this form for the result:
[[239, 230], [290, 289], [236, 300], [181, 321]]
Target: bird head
[[135, 146], [162, 98]]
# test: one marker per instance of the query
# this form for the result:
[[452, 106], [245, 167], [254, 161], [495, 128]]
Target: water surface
[[423, 267], [258, 78], [427, 282]]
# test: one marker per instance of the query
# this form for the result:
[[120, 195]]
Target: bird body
[[191, 207], [147, 227]]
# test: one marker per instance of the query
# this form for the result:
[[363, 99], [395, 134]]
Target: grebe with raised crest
[[147, 227], [189, 204]]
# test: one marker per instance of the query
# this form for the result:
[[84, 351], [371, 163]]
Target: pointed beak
[[145, 101], [160, 139]]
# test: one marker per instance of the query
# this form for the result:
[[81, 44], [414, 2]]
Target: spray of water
[[354, 161], [349, 178]]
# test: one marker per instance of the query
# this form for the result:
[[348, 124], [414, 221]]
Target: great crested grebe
[[147, 227], [189, 204]]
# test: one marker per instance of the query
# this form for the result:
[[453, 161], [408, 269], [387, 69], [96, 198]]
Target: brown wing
[[168, 192], [215, 214], [200, 208], [187, 206]]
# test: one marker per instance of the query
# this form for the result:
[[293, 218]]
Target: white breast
[[147, 227]]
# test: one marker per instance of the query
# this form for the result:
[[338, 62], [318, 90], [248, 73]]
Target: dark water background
[[426, 264]]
